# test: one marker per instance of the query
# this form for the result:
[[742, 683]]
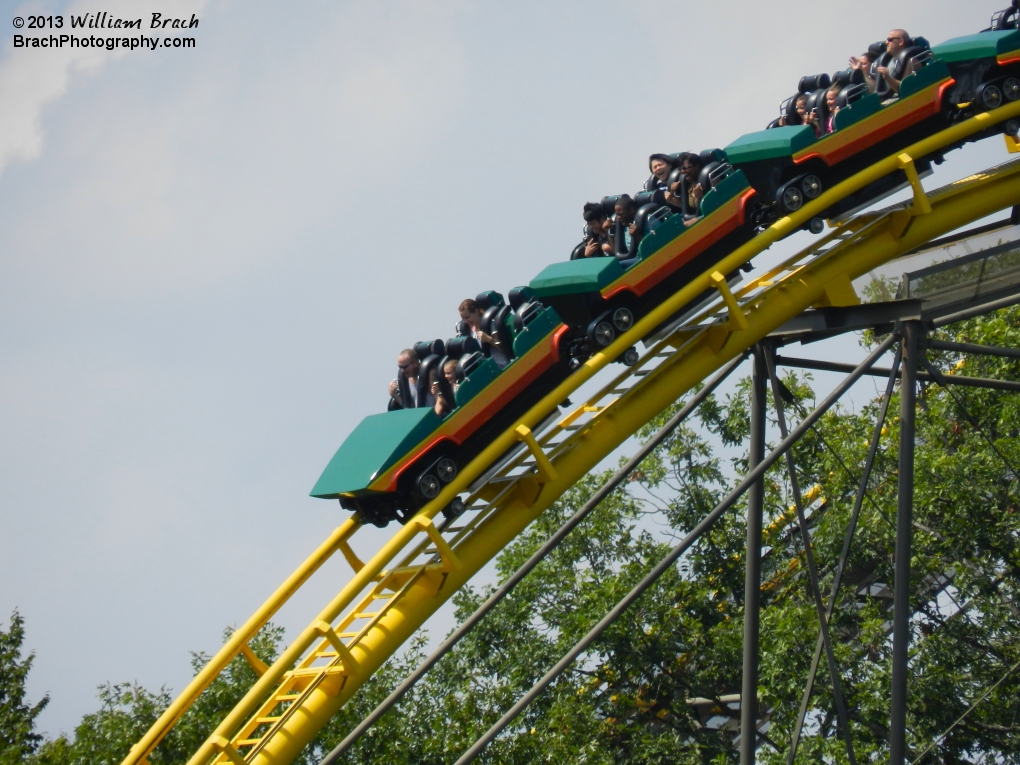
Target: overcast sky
[[209, 259]]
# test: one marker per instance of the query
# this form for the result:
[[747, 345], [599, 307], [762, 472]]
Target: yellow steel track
[[391, 595]]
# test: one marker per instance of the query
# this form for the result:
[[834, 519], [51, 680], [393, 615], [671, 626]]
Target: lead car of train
[[393, 463]]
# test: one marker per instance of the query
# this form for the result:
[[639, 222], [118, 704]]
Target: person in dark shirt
[[690, 166], [660, 166], [626, 236], [410, 395], [596, 242]]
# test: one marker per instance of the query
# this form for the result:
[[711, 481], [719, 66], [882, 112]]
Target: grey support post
[[752, 574], [912, 351]]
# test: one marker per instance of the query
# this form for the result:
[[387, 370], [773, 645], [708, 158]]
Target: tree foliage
[[654, 688], [18, 738]]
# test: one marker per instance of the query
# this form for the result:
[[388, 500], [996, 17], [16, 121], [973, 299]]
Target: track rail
[[391, 595]]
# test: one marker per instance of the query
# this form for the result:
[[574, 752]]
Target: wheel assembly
[[812, 186], [446, 469], [990, 97], [1011, 88], [791, 198], [428, 486], [623, 319]]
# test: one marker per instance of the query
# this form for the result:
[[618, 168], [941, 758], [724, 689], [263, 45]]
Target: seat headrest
[[789, 110], [429, 348], [908, 53], [816, 99], [609, 203], [1006, 19], [843, 77], [458, 346], [712, 155], [467, 364], [488, 316], [876, 49], [488, 299], [642, 215], [813, 82], [649, 197], [705, 176], [526, 313], [518, 296]]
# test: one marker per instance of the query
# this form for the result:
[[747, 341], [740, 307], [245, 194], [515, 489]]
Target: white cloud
[[33, 78]]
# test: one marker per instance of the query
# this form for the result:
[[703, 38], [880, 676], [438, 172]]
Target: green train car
[[395, 462]]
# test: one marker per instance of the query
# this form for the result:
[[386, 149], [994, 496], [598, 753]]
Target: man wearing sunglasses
[[404, 390], [895, 43]]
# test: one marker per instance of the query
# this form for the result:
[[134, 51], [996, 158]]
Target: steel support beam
[[752, 572], [912, 333], [812, 567], [987, 350], [835, 366], [848, 539], [674, 555]]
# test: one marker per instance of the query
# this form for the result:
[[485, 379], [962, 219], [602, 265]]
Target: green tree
[[128, 710], [18, 738], [651, 689]]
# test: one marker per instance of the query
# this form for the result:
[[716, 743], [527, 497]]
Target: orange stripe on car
[[842, 144], [468, 418], [649, 272]]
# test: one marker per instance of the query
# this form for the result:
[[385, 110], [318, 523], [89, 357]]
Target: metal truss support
[[912, 334], [812, 566], [752, 573], [967, 382], [848, 539], [674, 555]]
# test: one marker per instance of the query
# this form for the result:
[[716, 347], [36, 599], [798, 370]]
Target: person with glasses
[[405, 391], [897, 41]]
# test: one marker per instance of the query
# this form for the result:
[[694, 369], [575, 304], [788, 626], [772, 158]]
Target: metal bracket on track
[[899, 221], [718, 334], [543, 467], [225, 747], [450, 560], [253, 661], [345, 549], [323, 629]]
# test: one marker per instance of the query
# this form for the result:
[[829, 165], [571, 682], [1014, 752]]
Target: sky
[[210, 257]]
